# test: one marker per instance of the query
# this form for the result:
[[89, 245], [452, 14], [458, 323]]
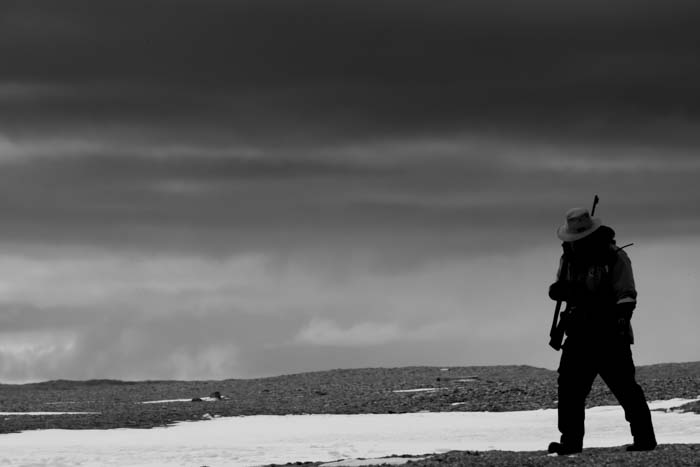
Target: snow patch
[[170, 401], [375, 461], [672, 403], [419, 390], [458, 379], [67, 402], [166, 401], [268, 439]]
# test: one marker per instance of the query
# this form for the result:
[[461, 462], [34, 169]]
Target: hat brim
[[567, 236]]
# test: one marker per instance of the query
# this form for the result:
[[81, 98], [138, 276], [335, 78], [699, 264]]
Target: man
[[595, 280]]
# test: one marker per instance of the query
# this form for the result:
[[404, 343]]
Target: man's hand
[[624, 311], [563, 291]]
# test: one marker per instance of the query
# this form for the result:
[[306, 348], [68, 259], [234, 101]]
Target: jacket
[[599, 283]]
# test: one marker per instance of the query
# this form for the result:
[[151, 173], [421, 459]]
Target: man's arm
[[623, 280], [625, 293]]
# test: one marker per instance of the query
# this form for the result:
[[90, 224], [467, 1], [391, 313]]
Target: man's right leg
[[618, 373], [576, 374]]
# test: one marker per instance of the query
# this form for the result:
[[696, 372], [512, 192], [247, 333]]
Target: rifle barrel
[[595, 203]]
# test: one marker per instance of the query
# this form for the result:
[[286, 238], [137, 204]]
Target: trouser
[[580, 363]]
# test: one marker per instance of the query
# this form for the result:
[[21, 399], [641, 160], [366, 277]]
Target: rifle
[[556, 333]]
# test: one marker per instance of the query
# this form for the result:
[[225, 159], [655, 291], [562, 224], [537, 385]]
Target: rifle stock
[[556, 334], [553, 329]]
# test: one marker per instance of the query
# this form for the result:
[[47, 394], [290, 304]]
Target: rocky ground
[[665, 455], [501, 388]]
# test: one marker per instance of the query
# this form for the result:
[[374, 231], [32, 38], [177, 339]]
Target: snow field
[[264, 439]]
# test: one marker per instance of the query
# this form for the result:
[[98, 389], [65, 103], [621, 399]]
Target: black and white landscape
[[202, 195]]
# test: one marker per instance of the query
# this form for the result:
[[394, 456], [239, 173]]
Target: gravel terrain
[[373, 390], [665, 455], [669, 455]]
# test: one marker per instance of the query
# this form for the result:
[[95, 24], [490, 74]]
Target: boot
[[563, 449], [647, 445]]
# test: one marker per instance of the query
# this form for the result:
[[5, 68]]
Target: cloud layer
[[277, 73], [188, 317], [219, 189]]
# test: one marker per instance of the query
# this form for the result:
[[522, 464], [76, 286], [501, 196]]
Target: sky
[[232, 189]]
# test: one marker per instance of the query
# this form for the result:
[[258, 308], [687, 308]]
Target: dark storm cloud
[[406, 210], [307, 70], [196, 202]]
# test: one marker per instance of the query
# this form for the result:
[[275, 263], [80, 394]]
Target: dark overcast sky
[[280, 72], [346, 181]]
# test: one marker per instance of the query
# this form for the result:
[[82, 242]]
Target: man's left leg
[[618, 373]]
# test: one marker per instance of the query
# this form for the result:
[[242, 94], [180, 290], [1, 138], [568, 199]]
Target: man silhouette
[[595, 279]]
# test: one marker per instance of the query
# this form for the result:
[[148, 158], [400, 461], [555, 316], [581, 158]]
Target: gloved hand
[[562, 291], [623, 312]]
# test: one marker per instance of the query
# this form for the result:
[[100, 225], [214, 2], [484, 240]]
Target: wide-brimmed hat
[[579, 224]]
